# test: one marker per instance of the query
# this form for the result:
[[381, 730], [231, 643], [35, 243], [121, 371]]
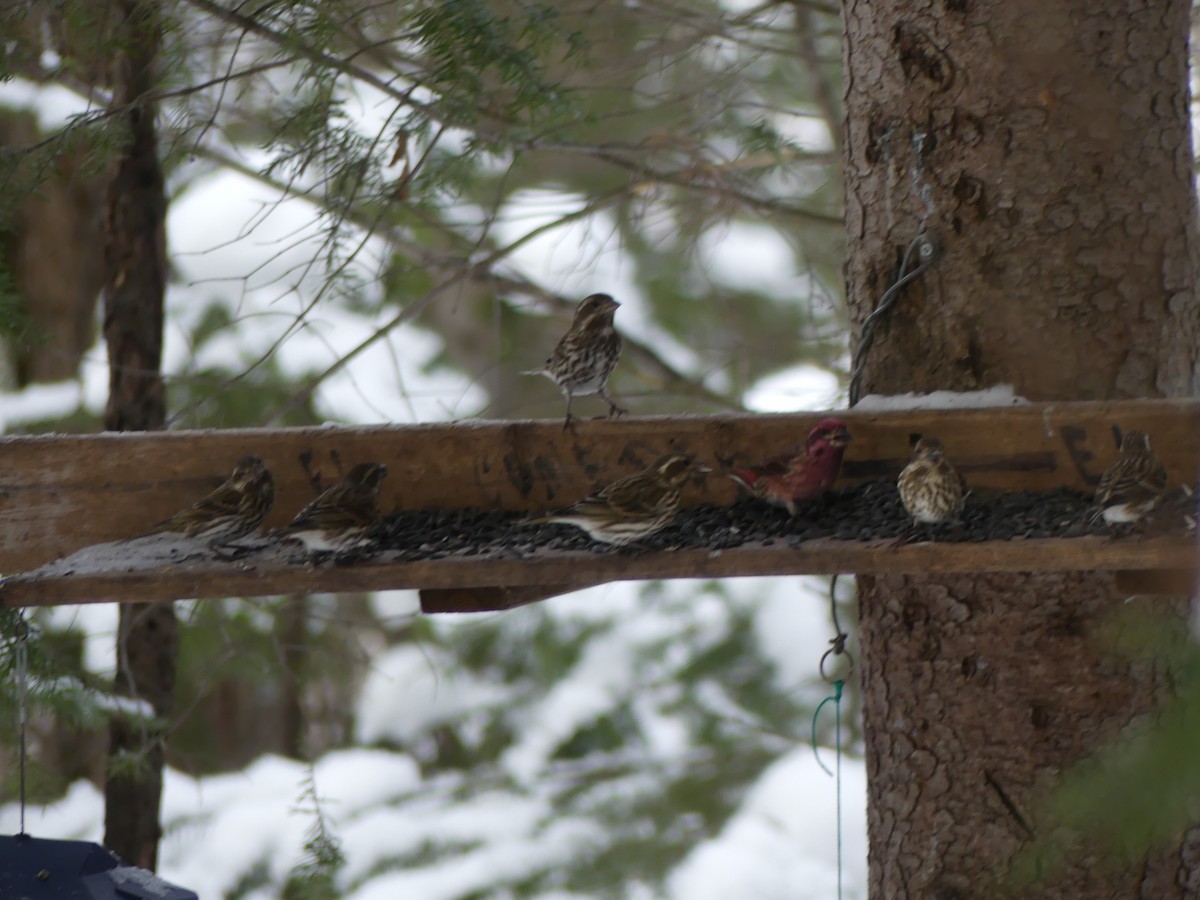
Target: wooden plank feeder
[[59, 494]]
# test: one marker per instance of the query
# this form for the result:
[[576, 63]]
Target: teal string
[[836, 699]]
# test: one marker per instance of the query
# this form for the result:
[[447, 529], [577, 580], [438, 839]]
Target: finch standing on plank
[[586, 355], [931, 488], [232, 510], [632, 507], [1133, 484], [802, 472], [340, 519]]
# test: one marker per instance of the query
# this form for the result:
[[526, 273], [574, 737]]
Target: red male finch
[[587, 354], [802, 472], [341, 517], [632, 507], [1133, 484], [232, 510], [931, 488]]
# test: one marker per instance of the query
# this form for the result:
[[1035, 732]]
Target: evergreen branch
[[426, 259], [468, 271], [681, 179], [319, 57], [291, 43]]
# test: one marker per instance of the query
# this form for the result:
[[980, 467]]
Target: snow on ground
[[413, 687], [782, 843], [221, 829]]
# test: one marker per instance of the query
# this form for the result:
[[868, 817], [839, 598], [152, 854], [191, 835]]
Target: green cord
[[836, 697]]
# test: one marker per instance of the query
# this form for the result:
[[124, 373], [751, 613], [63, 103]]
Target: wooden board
[[470, 584], [61, 493]]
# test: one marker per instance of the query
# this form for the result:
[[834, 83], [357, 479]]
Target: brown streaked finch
[[1133, 484], [340, 519], [586, 355], [632, 507], [232, 510], [931, 488], [802, 472]]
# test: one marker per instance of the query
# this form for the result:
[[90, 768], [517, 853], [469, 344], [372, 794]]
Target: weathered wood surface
[[61, 493], [469, 584]]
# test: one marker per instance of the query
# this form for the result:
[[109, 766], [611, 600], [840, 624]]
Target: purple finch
[[1133, 484], [931, 488], [632, 507], [587, 354], [802, 472], [340, 518], [231, 511]]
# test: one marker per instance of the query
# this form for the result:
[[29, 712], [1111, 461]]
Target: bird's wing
[[1132, 478], [342, 506], [224, 501], [259, 496], [788, 461], [633, 495]]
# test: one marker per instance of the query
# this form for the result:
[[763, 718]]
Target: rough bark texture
[[135, 250], [1056, 148], [1048, 147]]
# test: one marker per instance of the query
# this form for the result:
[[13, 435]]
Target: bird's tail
[[534, 372]]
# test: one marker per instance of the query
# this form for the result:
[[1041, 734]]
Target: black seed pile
[[868, 511]]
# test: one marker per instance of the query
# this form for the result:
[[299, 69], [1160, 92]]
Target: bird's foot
[[906, 537]]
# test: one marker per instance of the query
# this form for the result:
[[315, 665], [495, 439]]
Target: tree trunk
[[55, 252], [294, 651], [1048, 147], [148, 635]]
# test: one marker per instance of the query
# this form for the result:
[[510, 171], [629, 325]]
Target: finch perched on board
[[587, 354], [232, 510], [931, 488], [802, 472], [341, 517], [632, 507], [1133, 484]]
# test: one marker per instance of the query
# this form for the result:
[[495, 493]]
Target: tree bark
[[135, 251], [1048, 147], [55, 252]]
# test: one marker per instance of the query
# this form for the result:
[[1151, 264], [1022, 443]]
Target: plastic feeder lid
[[41, 869]]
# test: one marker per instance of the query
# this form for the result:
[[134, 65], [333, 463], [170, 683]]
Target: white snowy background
[[781, 843]]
